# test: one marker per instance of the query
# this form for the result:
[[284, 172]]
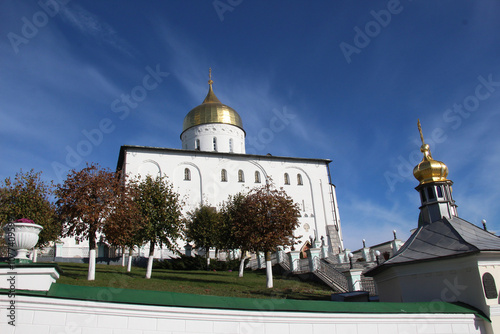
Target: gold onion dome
[[429, 170], [211, 111]]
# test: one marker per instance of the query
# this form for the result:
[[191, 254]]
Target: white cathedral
[[212, 165]]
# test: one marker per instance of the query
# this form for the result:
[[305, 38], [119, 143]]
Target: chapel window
[[197, 144], [241, 176], [439, 191], [187, 174], [215, 144], [422, 195], [287, 178], [299, 179], [490, 289], [223, 175], [430, 193], [257, 176]]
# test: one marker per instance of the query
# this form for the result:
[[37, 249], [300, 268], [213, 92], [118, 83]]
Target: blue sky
[[352, 78]]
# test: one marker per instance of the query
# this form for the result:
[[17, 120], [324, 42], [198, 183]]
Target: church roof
[[164, 150], [448, 237], [211, 111]]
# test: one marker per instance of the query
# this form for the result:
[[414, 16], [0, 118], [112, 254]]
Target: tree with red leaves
[[87, 201], [264, 219]]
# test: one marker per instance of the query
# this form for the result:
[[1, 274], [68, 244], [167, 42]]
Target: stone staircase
[[328, 270]]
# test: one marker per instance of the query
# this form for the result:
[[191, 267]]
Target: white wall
[[57, 316], [314, 196]]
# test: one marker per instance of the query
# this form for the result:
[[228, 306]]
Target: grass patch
[[216, 283]]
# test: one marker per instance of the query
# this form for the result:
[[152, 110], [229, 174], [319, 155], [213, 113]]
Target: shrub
[[195, 263]]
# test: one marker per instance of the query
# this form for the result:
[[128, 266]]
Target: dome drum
[[213, 126]]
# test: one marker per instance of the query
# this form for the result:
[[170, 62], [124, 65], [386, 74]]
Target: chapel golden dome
[[429, 170], [211, 111]]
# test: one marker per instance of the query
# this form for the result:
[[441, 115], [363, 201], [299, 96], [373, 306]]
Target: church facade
[[212, 165]]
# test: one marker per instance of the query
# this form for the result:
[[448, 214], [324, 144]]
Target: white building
[[212, 165]]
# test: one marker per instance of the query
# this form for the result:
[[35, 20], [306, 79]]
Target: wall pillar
[[313, 255], [354, 279], [294, 260], [187, 250], [365, 252], [261, 260], [324, 252]]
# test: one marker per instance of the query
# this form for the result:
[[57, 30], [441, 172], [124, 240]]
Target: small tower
[[434, 188], [213, 126]]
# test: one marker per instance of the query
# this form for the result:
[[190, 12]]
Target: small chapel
[[446, 258]]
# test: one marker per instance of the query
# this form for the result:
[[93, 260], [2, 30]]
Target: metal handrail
[[285, 261], [336, 278]]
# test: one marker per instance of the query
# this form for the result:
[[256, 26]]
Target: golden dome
[[429, 170], [211, 111]]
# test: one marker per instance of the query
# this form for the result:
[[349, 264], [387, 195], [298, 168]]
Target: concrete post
[[312, 255], [341, 257], [294, 260], [354, 279], [58, 250], [396, 245], [261, 261], [365, 253], [187, 250], [324, 252]]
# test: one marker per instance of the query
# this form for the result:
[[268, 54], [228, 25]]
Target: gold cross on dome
[[420, 130], [210, 81]]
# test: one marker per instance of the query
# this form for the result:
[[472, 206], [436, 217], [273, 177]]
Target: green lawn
[[217, 283]]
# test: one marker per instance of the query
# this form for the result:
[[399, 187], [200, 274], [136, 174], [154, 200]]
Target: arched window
[[215, 144], [490, 288], [422, 195], [257, 176], [430, 193], [197, 144], [439, 191], [231, 145], [223, 175], [287, 179], [241, 176], [299, 179], [187, 174]]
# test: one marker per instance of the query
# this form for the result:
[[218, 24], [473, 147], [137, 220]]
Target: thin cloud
[[91, 25]]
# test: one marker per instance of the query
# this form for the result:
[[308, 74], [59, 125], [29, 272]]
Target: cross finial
[[420, 130], [210, 81]]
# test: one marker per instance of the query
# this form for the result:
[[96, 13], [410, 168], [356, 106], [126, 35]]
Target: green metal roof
[[174, 299]]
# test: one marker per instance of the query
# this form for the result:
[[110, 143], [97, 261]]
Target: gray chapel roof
[[449, 237]]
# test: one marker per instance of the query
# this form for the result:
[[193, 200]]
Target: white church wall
[[314, 195], [56, 315]]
